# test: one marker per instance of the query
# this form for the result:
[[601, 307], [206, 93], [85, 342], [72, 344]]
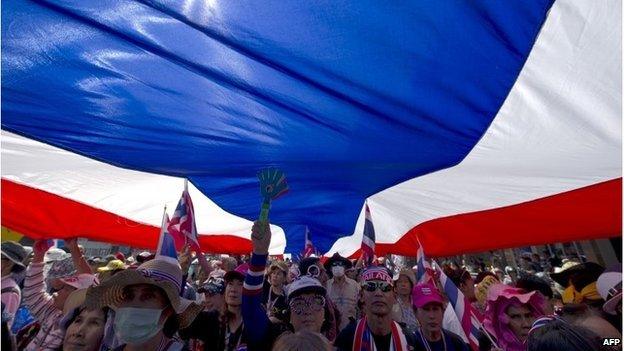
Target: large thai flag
[[456, 120], [468, 317]]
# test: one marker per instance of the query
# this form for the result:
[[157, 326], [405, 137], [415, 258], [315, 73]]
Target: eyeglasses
[[298, 305], [372, 286]]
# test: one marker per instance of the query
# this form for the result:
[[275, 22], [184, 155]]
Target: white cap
[[305, 284]]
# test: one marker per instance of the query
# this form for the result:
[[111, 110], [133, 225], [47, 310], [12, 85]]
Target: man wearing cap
[[48, 309], [274, 296], [343, 291], [429, 309], [305, 297], [376, 330], [13, 256], [213, 290]]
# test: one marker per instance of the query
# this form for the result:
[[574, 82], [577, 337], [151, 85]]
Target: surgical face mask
[[338, 271], [136, 325]]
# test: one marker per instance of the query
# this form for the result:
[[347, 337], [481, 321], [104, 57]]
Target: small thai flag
[[166, 249], [309, 248], [424, 272], [182, 225], [368, 239], [468, 317]]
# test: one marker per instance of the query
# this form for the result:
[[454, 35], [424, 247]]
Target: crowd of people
[[55, 299]]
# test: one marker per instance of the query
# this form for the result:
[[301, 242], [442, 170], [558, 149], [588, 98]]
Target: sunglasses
[[299, 305], [372, 286]]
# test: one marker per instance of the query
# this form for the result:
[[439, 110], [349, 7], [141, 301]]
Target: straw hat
[[113, 265], [588, 271], [157, 272]]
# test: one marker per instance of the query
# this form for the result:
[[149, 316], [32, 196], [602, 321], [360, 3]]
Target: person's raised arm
[[254, 316], [81, 264], [34, 293]]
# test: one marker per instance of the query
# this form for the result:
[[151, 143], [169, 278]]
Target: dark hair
[[534, 283], [457, 276], [562, 336], [308, 262], [66, 322], [171, 326]]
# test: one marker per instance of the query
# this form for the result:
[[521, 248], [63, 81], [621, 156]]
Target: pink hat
[[423, 294], [81, 281], [239, 273]]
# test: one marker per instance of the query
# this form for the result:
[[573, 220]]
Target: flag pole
[[185, 184], [162, 230], [494, 344]]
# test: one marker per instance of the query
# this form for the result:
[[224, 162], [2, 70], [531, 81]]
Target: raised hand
[[261, 237], [72, 244], [40, 247]]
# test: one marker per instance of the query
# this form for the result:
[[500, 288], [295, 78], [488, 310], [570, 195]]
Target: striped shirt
[[41, 305]]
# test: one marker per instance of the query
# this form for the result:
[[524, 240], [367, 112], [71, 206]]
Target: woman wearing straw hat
[[147, 305]]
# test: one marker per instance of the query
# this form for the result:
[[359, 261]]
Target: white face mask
[[338, 271], [136, 325]]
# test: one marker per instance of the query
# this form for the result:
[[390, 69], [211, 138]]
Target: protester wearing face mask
[[376, 330], [147, 305], [343, 291], [46, 308]]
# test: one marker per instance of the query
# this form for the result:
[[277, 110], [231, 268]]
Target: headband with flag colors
[[469, 318], [166, 249], [182, 225], [368, 239]]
